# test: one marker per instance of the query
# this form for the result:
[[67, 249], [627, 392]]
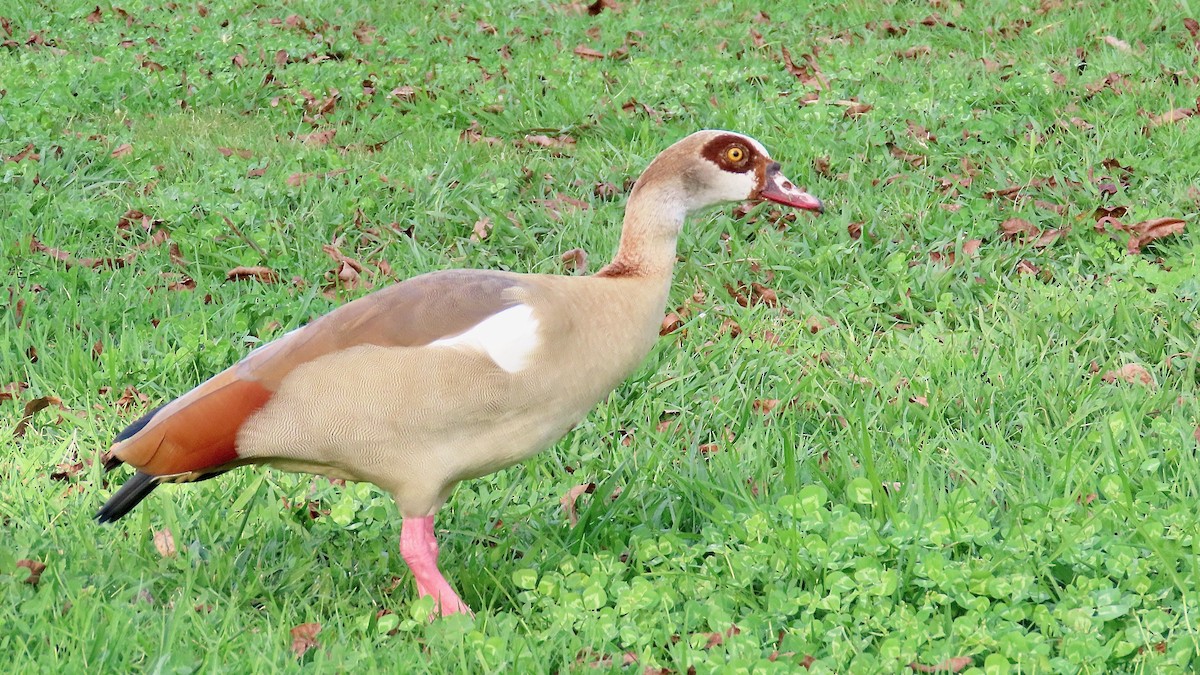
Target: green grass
[[1036, 518]]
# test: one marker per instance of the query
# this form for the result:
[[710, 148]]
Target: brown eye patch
[[731, 153]]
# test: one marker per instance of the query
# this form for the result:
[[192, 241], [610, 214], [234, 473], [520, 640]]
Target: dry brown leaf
[[568, 501], [481, 229], [821, 166], [914, 52], [1026, 267], [575, 261], [1117, 43], [304, 638], [35, 570], [548, 141], [164, 543], [1192, 26], [588, 54], [950, 665], [1149, 230], [1144, 232], [12, 390], [715, 639], [807, 73], [1133, 373], [914, 160], [318, 138], [764, 405], [31, 409], [27, 153], [1013, 227], [855, 109], [601, 5], [403, 93], [670, 323], [1172, 116], [263, 274], [240, 152], [122, 150]]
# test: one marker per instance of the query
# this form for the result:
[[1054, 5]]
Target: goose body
[[455, 374]]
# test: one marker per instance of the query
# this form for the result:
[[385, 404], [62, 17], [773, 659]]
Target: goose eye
[[735, 154]]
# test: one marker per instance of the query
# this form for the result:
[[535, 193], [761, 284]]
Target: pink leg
[[418, 547]]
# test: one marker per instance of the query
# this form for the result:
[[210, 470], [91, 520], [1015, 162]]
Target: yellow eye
[[735, 154]]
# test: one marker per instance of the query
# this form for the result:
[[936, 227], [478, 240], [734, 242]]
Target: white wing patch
[[507, 337]]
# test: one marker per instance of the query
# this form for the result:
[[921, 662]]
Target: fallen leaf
[[950, 665], [808, 73], [1026, 267], [914, 52], [164, 542], [25, 154], [601, 5], [304, 638], [1192, 26], [122, 150], [66, 470], [568, 501], [31, 409], [240, 152], [12, 390], [914, 160], [35, 570], [715, 639], [404, 93], [764, 405], [481, 229], [575, 261], [318, 138], [1172, 116], [1132, 373], [855, 109], [670, 323], [176, 255], [1117, 43], [133, 217], [263, 274], [588, 54], [919, 400], [1144, 232], [1149, 230], [549, 142], [1013, 227]]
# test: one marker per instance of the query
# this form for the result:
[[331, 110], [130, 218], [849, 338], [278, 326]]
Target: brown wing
[[196, 434]]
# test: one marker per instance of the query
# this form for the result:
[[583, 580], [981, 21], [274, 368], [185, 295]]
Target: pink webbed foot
[[418, 547]]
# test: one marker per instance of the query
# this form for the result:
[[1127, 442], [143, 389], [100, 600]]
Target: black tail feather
[[130, 495]]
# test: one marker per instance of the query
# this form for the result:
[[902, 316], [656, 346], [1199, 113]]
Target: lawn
[[950, 424]]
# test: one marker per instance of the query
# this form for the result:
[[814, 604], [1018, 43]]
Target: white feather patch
[[507, 337]]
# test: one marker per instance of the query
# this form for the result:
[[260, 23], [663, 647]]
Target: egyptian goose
[[461, 372]]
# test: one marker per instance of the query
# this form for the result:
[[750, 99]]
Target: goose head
[[712, 167]]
